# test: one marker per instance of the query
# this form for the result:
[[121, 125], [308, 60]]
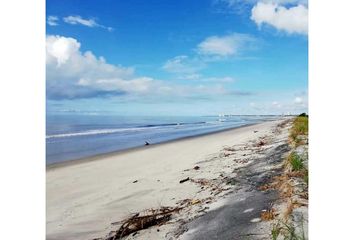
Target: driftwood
[[142, 221], [184, 180]]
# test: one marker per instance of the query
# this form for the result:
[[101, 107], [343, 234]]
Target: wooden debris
[[184, 202], [202, 182], [184, 180], [195, 201], [189, 202], [143, 220]]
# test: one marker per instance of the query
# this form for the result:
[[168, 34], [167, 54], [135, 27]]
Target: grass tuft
[[296, 162], [275, 231], [287, 232]]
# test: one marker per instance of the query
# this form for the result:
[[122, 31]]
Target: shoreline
[[101, 156]]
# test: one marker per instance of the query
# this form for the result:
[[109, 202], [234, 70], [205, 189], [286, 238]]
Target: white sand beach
[[84, 198]]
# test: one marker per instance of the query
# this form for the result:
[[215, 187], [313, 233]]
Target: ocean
[[70, 137]]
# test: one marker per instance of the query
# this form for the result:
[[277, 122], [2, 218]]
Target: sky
[[180, 57]]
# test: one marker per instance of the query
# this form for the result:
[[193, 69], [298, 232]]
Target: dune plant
[[300, 127], [296, 162], [287, 231]]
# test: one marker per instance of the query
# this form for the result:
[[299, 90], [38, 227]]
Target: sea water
[[70, 137]]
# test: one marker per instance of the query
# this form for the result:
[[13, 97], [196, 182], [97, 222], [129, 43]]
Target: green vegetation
[[296, 162], [275, 232], [287, 231], [295, 169], [306, 177], [300, 127]]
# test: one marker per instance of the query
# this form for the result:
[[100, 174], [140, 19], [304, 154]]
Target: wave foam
[[95, 132]]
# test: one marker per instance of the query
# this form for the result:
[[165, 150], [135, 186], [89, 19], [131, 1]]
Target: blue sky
[[185, 57]]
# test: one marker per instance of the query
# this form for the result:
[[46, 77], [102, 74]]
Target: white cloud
[[213, 48], [298, 100], [78, 20], [193, 76], [291, 20], [224, 46], [73, 74], [283, 106], [201, 78], [276, 104], [235, 3], [52, 20], [219, 79], [61, 48], [183, 64]]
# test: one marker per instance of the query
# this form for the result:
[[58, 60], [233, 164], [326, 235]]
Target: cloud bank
[[72, 74]]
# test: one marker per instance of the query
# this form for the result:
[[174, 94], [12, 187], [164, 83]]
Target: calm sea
[[70, 137]]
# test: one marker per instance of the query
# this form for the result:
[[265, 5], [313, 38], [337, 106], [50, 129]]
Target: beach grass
[[300, 127], [296, 162], [287, 231]]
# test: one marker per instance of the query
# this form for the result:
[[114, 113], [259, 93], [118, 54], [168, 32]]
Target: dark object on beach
[[147, 143], [184, 180], [261, 143], [196, 168], [143, 220], [255, 131], [303, 115], [135, 181]]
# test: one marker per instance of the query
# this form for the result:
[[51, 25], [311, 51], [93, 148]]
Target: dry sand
[[84, 198]]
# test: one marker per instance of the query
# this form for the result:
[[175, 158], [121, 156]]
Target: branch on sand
[[143, 220]]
